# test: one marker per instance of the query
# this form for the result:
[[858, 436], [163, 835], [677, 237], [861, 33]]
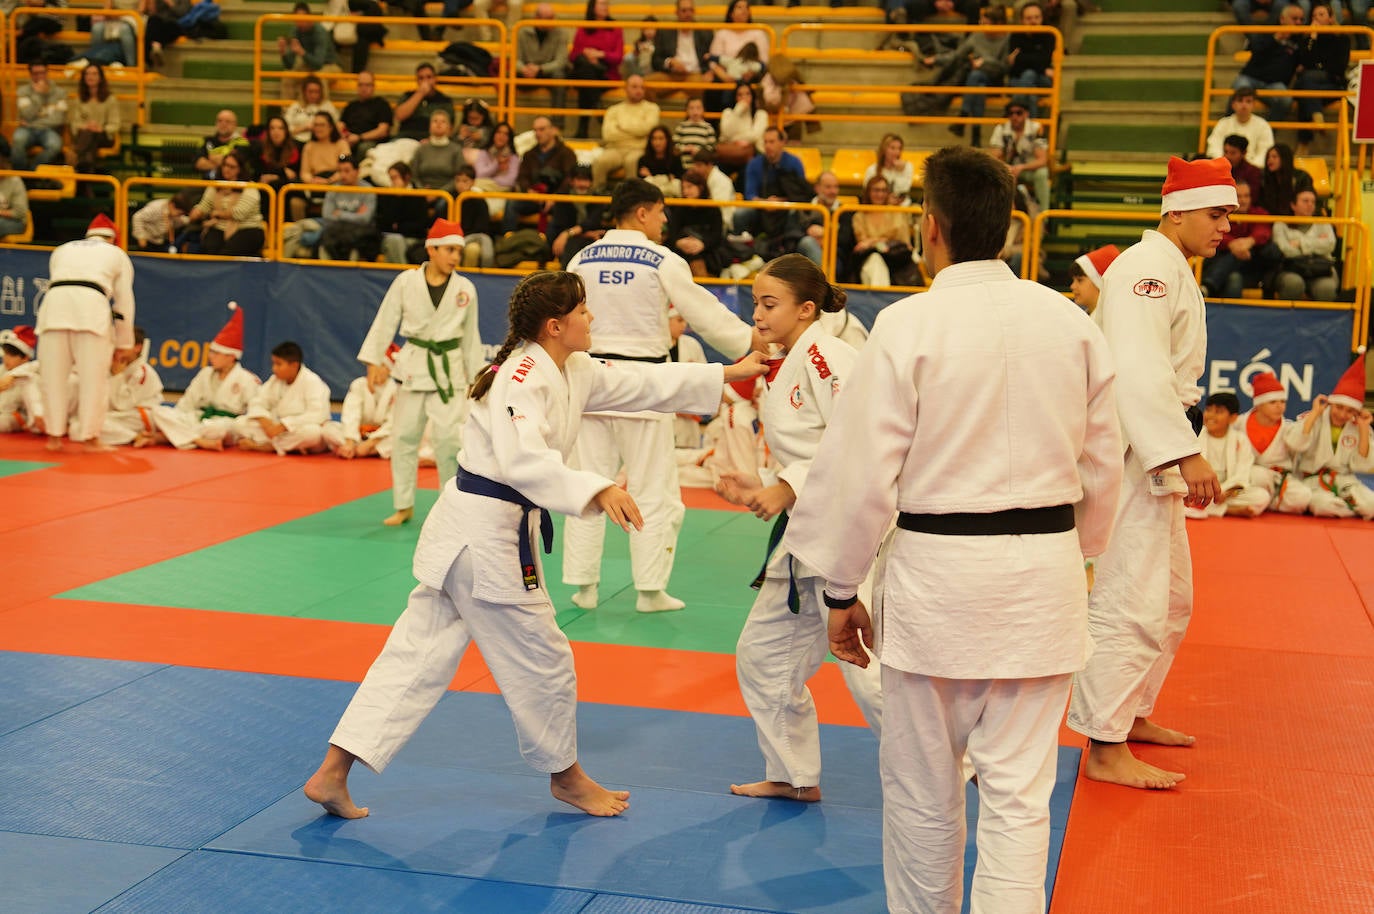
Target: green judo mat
[[15, 467], [343, 565]]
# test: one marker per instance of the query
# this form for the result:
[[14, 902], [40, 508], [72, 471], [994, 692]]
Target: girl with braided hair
[[480, 577]]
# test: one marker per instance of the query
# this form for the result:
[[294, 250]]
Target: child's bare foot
[[402, 515], [248, 444], [53, 444], [95, 446], [144, 441], [575, 788], [780, 789], [329, 785], [1113, 763], [210, 444], [1143, 731]]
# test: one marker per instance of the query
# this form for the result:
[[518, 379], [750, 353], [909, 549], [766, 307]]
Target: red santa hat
[[444, 232], [1349, 389], [1200, 184], [1094, 263], [103, 226], [229, 340], [1266, 388], [22, 338]]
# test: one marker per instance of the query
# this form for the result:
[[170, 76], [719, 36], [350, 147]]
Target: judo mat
[[181, 631]]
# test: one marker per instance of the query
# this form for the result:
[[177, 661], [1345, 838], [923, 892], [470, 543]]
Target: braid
[[535, 300], [480, 387]]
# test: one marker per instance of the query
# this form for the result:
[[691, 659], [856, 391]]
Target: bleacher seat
[[849, 165], [1316, 167], [811, 160]]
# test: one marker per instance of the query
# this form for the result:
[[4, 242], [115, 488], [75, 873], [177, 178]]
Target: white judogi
[[1234, 461], [686, 431], [1142, 595], [1273, 467], [630, 281], [22, 402], [302, 406], [1329, 471], [366, 414], [76, 331], [408, 308], [467, 561], [780, 650], [196, 414], [134, 394], [987, 393]]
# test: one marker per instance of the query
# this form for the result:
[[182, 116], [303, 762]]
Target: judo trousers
[[1287, 494], [526, 651], [1326, 503], [1009, 730], [646, 448], [412, 410], [778, 651], [1138, 612], [304, 438], [61, 351]]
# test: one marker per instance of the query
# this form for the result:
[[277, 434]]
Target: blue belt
[[480, 485], [774, 538]]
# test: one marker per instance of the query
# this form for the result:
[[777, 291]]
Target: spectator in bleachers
[[544, 169], [574, 225], [276, 155], [479, 248], [1273, 61], [741, 129], [640, 60], [660, 164], [161, 28], [287, 413], [1322, 62], [436, 160], [42, 109], [744, 68], [217, 145], [1021, 143], [360, 36], [14, 197], [718, 184], [1242, 121], [93, 121], [366, 121], [1309, 267], [413, 110], [157, 224], [310, 45], [727, 44], [596, 54], [883, 240], [624, 129], [474, 128], [1245, 257], [1235, 150], [903, 11], [899, 172], [775, 175], [348, 221], [230, 215], [1063, 15], [321, 156], [694, 132], [112, 41], [497, 167], [1030, 57], [402, 220], [1246, 10], [542, 53], [680, 55], [311, 99], [1281, 181], [979, 61], [697, 233], [827, 189]]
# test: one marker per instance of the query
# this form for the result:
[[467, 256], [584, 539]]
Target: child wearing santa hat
[[1339, 449], [1087, 272], [1154, 320], [21, 401], [1275, 442]]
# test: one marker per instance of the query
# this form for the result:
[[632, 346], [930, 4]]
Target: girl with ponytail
[[480, 576], [785, 640]]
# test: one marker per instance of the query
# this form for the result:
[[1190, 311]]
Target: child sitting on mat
[[1339, 449], [1229, 452]]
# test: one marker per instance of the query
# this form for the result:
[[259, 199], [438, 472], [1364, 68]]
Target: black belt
[[1194, 414], [1015, 522], [774, 538], [85, 283], [480, 485], [629, 358]]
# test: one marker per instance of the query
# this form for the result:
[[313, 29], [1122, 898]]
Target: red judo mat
[[1276, 676]]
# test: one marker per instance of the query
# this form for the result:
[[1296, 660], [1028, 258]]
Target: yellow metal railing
[[266, 191]]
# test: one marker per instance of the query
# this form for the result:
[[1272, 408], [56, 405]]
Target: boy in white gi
[[784, 640], [1228, 451], [1153, 318], [1339, 448], [364, 426], [1086, 274], [1275, 443], [630, 279], [481, 578], [435, 309], [983, 411], [21, 399], [87, 311], [217, 396], [135, 391], [287, 413]]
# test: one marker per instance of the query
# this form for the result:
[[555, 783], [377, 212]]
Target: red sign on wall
[[1364, 104]]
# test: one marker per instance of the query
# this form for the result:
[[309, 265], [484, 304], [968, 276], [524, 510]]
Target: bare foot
[[54, 444], [1143, 731], [1113, 763], [402, 515], [575, 788], [144, 441], [210, 444], [329, 785], [248, 444], [97, 447], [780, 789]]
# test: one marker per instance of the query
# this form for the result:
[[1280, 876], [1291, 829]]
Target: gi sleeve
[[704, 313], [473, 359], [1100, 465], [123, 306], [351, 414], [668, 388], [385, 323], [823, 393]]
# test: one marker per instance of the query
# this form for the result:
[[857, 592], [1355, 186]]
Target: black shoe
[[957, 129]]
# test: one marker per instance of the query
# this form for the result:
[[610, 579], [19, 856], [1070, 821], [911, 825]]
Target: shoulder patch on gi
[[818, 361], [1151, 288], [795, 397]]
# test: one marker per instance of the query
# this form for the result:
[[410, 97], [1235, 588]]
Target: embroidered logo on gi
[[514, 416], [818, 360], [1347, 440], [523, 369], [795, 397], [834, 387], [1151, 288], [463, 299]]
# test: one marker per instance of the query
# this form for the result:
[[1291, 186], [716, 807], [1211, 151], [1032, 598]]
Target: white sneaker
[[657, 601], [586, 597]]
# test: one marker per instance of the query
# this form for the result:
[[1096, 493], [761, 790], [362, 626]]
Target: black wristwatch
[[839, 603]]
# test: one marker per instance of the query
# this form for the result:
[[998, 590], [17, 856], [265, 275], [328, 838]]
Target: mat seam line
[[90, 698]]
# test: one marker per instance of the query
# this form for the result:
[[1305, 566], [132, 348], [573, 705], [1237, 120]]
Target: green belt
[[440, 348], [211, 412]]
